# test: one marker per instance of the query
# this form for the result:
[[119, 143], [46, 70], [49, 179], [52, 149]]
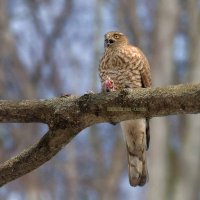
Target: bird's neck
[[115, 47]]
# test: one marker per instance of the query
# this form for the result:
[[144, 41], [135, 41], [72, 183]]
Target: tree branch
[[67, 116]]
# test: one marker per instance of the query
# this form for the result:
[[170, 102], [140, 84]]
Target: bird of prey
[[125, 66]]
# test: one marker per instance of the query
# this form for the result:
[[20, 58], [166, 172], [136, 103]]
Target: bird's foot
[[89, 92]]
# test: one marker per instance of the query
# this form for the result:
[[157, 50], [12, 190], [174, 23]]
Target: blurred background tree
[[53, 47]]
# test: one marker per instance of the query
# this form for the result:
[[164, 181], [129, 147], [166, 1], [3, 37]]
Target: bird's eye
[[116, 36]]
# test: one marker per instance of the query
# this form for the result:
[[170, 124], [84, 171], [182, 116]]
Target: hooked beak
[[108, 42]]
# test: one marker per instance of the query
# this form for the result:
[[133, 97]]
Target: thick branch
[[68, 116], [105, 107], [24, 111], [30, 159]]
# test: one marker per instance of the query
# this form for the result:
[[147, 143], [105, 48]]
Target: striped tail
[[135, 137]]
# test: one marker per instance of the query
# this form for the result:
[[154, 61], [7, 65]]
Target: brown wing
[[145, 71], [146, 82], [140, 63], [145, 74]]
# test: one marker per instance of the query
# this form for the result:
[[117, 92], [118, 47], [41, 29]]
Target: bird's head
[[114, 38]]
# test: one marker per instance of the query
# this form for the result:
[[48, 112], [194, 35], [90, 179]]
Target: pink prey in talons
[[108, 85]]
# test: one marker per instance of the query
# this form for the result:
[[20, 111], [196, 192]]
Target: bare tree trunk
[[71, 171], [114, 173], [162, 70], [188, 179]]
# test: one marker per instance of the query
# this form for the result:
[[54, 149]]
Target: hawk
[[125, 66]]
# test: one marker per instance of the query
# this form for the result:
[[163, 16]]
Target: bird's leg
[[113, 123]]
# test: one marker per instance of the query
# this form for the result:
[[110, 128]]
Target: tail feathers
[[137, 141], [138, 174]]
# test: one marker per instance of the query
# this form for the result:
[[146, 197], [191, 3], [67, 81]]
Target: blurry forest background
[[50, 47]]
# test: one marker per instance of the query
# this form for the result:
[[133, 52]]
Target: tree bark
[[67, 116]]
